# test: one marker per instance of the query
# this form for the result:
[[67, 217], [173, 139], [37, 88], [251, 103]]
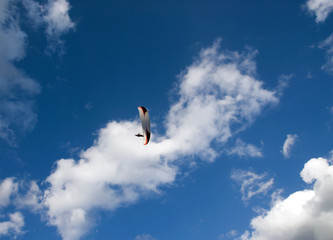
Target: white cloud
[[17, 90], [230, 235], [29, 196], [284, 81], [288, 144], [9, 196], [251, 183], [13, 227], [54, 15], [18, 195], [17, 114], [306, 214], [144, 237], [330, 157], [321, 8], [243, 149], [57, 17], [327, 44], [112, 173], [218, 97], [8, 187], [21, 194]]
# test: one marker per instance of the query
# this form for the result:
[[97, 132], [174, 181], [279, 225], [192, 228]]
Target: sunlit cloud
[[305, 214], [218, 97]]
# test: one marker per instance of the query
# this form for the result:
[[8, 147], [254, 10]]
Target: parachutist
[[145, 122]]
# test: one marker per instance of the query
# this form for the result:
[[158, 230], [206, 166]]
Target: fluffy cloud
[[321, 8], [306, 214], [288, 144], [218, 97], [112, 173], [243, 149], [251, 183], [16, 88], [13, 227]]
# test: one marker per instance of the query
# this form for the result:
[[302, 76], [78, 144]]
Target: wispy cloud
[[88, 106], [54, 15], [320, 8], [306, 214], [245, 149], [251, 184], [17, 90], [327, 45], [218, 97], [229, 235], [284, 82], [144, 237], [288, 144]]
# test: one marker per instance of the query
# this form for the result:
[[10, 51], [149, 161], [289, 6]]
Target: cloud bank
[[306, 214], [218, 96]]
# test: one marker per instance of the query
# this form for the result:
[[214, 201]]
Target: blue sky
[[240, 99]]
